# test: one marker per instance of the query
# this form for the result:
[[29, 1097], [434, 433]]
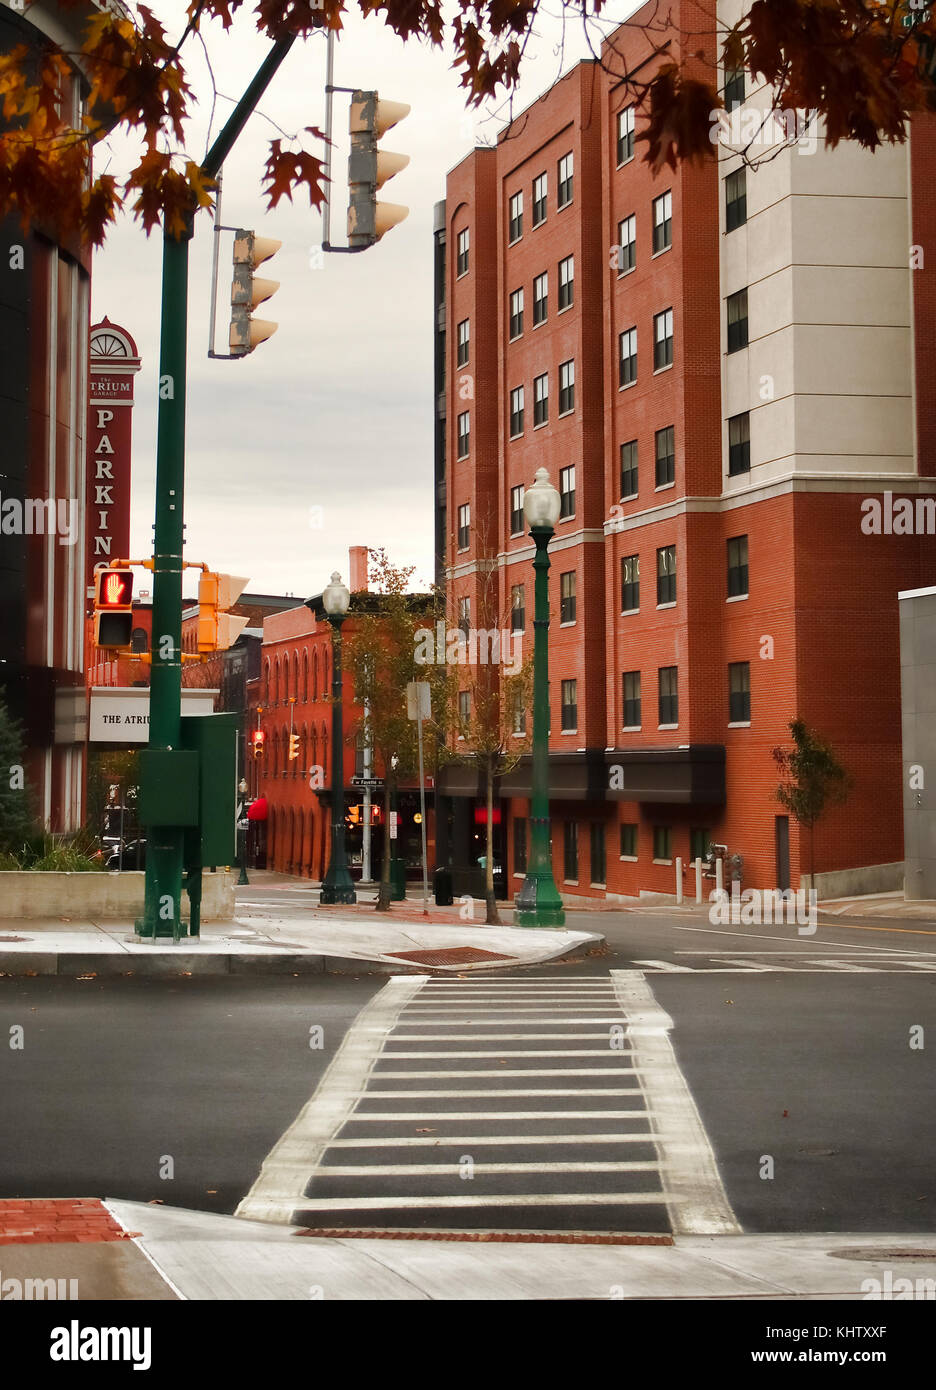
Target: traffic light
[[354, 815], [247, 291], [257, 742], [113, 606], [293, 746], [217, 629], [369, 168]]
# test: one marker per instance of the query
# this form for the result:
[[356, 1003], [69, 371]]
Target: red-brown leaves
[[286, 169], [679, 122]]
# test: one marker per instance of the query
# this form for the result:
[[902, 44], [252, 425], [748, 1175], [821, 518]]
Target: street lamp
[[337, 885], [242, 880], [538, 903]]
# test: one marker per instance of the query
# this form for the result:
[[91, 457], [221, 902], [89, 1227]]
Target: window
[[464, 706], [738, 567], [629, 469], [567, 491], [566, 387], [517, 608], [462, 343], [516, 217], [737, 320], [625, 135], [739, 444], [516, 411], [464, 526], [663, 340], [628, 833], [662, 843], [516, 313], [516, 510], [668, 695], [564, 197], [570, 851], [566, 282], [567, 597], [734, 88], [665, 443], [540, 399], [627, 357], [630, 583], [739, 692], [464, 434], [520, 845], [700, 840], [598, 872], [519, 713], [631, 689], [464, 614], [569, 706], [539, 200], [666, 574], [627, 244], [461, 253], [540, 298], [735, 199], [662, 222]]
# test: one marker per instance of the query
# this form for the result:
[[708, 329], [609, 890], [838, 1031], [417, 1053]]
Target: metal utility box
[[169, 786], [212, 739]]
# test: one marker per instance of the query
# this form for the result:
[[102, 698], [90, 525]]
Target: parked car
[[134, 855]]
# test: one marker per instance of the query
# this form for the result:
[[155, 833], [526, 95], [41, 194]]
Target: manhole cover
[[456, 955], [15, 938], [869, 1252]]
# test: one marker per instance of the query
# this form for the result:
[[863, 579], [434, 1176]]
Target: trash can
[[442, 886], [397, 880]]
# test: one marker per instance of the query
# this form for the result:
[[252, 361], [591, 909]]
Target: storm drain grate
[[456, 955], [495, 1237]]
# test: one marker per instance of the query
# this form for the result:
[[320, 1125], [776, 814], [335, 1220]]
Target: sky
[[322, 437]]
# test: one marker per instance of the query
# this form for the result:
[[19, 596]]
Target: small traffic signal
[[257, 742], [217, 629], [354, 815], [369, 168], [113, 606], [247, 292], [293, 746]]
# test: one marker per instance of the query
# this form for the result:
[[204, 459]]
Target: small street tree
[[812, 780], [16, 823]]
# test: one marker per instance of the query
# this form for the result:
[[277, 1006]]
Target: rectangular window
[[517, 608], [540, 298], [628, 833], [739, 692], [631, 690], [566, 282], [629, 469], [569, 706], [734, 88], [662, 843], [516, 313], [520, 845], [567, 491], [570, 851], [567, 597], [736, 199], [627, 244], [566, 387], [700, 840], [464, 614], [464, 434], [516, 411], [663, 339], [539, 200], [516, 510], [541, 399], [668, 694], [464, 706], [464, 526], [519, 713], [463, 343], [738, 567], [665, 444], [737, 320], [598, 872], [516, 217], [666, 574], [662, 222], [627, 357], [461, 252], [630, 583], [564, 193], [739, 444], [625, 135]]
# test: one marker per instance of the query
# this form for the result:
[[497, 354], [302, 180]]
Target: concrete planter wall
[[100, 896]]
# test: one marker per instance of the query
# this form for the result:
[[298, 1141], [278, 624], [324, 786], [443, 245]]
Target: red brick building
[[718, 366]]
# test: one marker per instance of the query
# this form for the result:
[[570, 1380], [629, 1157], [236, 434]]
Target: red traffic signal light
[[258, 738], [113, 606]]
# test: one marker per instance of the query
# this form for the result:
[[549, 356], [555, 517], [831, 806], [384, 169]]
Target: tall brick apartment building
[[717, 365]]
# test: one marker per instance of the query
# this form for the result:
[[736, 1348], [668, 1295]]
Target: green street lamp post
[[337, 885], [538, 903]]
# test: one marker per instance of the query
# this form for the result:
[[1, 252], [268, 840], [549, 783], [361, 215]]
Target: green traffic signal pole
[[337, 885], [538, 903], [162, 909]]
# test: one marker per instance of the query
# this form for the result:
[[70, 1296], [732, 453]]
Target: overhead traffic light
[[293, 746], [247, 291], [257, 743], [113, 606], [369, 168], [217, 629]]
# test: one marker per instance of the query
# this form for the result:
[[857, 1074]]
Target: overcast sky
[[336, 410]]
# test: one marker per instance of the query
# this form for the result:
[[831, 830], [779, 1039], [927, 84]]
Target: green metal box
[[168, 787], [213, 739]]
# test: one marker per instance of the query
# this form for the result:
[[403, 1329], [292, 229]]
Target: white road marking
[[540, 1199], [454, 1141], [497, 1037], [515, 1052], [500, 1091], [414, 1116], [450, 1169], [443, 1073], [664, 966]]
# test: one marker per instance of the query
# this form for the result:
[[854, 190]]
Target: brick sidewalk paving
[[56, 1221]]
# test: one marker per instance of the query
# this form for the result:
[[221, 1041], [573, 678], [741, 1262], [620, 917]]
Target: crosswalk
[[509, 1104], [866, 961]]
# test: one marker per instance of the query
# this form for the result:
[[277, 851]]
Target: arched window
[[266, 694], [138, 640], [315, 675], [304, 692], [324, 751], [314, 758], [285, 692]]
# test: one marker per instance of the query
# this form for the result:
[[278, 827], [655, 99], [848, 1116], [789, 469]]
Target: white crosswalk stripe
[[871, 960]]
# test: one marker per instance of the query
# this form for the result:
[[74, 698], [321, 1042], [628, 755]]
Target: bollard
[[719, 879], [698, 880], [679, 882]]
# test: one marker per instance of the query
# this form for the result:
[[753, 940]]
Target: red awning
[[257, 810]]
